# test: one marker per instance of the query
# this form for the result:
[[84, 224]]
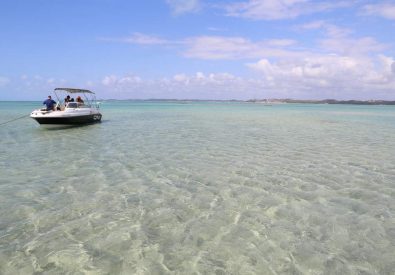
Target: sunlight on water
[[200, 188]]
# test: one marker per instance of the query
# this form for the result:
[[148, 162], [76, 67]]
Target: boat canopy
[[74, 91]]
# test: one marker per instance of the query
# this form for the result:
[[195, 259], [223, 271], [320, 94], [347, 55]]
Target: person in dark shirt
[[67, 99], [50, 103]]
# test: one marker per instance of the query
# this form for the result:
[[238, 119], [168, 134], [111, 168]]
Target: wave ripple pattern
[[200, 188]]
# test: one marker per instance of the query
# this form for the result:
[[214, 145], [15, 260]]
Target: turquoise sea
[[200, 188]]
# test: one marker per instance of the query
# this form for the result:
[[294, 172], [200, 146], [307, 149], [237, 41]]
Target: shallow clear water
[[200, 188]]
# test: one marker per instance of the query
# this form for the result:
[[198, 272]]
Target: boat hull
[[69, 120]]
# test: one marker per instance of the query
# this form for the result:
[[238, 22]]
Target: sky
[[198, 49]]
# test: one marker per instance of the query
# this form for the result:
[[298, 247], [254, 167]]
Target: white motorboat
[[85, 111]]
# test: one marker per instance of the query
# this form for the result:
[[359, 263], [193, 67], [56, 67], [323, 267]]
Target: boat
[[64, 113]]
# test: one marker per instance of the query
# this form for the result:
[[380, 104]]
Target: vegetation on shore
[[271, 101], [325, 101]]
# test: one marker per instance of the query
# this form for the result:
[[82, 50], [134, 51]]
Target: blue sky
[[198, 49]]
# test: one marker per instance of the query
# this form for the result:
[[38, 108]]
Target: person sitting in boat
[[79, 100], [50, 103], [67, 99]]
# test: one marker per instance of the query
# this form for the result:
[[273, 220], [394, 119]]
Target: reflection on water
[[166, 188]]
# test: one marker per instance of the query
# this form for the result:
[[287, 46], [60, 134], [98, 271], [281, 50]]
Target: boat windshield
[[72, 105], [77, 105]]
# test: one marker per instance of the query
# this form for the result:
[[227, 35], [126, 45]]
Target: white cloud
[[140, 39], [279, 9], [329, 29], [183, 86], [181, 78], [320, 76], [216, 47], [336, 41], [280, 42], [109, 80], [201, 79], [215, 29], [4, 81], [30, 87], [351, 46], [219, 47], [89, 84], [319, 24], [35, 81], [339, 64], [386, 10], [329, 76], [51, 80], [116, 81], [184, 6], [340, 40], [343, 75]]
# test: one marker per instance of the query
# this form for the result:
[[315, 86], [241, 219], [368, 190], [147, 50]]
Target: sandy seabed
[[200, 188]]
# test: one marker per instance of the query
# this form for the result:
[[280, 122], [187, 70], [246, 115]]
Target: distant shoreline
[[272, 101], [257, 101], [325, 101]]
